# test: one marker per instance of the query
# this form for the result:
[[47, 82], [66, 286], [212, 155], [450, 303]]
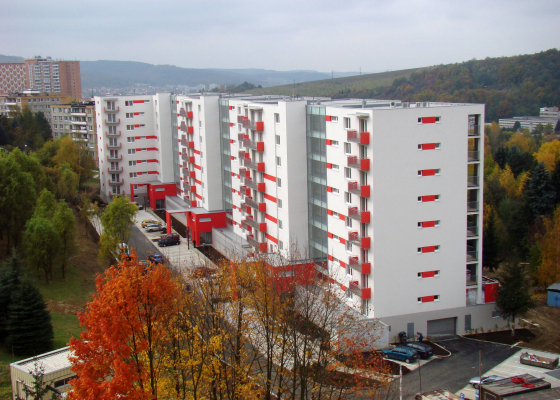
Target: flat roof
[[507, 387], [53, 361]]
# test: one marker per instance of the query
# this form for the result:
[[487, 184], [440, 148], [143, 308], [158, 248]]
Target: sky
[[322, 35]]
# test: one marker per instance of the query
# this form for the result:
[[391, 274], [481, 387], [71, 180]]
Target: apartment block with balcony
[[398, 188], [77, 120], [134, 143]]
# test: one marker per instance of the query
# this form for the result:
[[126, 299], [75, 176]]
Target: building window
[[277, 119], [133, 175], [129, 115], [279, 224], [334, 119], [348, 246], [348, 197], [132, 163], [278, 139], [348, 222], [280, 245], [334, 143], [335, 167], [130, 139], [279, 182], [347, 123], [279, 203], [130, 127], [347, 148], [348, 173], [131, 151], [335, 191], [278, 161]]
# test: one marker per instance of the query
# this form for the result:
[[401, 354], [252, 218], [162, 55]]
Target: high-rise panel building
[[384, 197]]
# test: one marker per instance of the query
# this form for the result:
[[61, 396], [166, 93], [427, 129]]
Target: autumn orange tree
[[123, 350]]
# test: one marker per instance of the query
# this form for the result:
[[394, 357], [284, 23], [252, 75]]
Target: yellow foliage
[[523, 142], [508, 182], [548, 271], [549, 154]]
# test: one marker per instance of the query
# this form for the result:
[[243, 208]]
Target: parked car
[[476, 381], [401, 353], [169, 240], [149, 222], [155, 228], [424, 350], [156, 258]]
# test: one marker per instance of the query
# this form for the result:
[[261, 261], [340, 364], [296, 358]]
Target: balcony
[[258, 226], [78, 122], [183, 127], [472, 229], [359, 190], [251, 144], [245, 208], [114, 170], [246, 122], [361, 164], [489, 289], [183, 112], [191, 145], [78, 114], [472, 206], [114, 158], [241, 137], [184, 156], [474, 130], [253, 165], [108, 110], [257, 126], [113, 122], [192, 174], [474, 155], [471, 279], [355, 137], [112, 134], [253, 242], [240, 119], [79, 130], [116, 183], [241, 154], [245, 225], [358, 290], [186, 186], [473, 181], [472, 254], [258, 186], [363, 217], [113, 146], [261, 207], [363, 268], [355, 238], [190, 114]]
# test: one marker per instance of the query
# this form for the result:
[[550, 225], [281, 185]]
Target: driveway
[[453, 372]]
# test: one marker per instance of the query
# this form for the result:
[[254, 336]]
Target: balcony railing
[[472, 229], [251, 144], [471, 279], [474, 155], [191, 145], [256, 244], [357, 137], [258, 186], [474, 130], [114, 158], [186, 186], [361, 216], [253, 165], [184, 156], [472, 254], [241, 137], [257, 126], [246, 122], [258, 226], [359, 190], [112, 134], [472, 206], [114, 170], [115, 122], [190, 114], [360, 291], [109, 110], [241, 154], [116, 183], [253, 204], [358, 240], [113, 146], [183, 112], [183, 127], [240, 118], [473, 180], [360, 163], [363, 268]]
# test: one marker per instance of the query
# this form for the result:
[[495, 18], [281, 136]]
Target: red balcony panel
[[328, 118], [365, 217], [191, 145], [428, 172], [262, 227], [329, 212], [230, 124], [192, 174], [330, 235], [262, 207], [261, 187], [366, 293], [191, 159], [193, 189], [428, 299], [428, 146], [260, 167], [366, 268], [259, 126], [329, 166], [190, 114], [428, 274], [429, 120], [366, 243], [428, 224], [329, 189], [329, 142], [364, 137], [357, 137], [365, 191], [190, 129], [429, 198], [331, 258], [247, 191], [364, 164], [263, 247], [260, 146], [428, 249], [193, 203]]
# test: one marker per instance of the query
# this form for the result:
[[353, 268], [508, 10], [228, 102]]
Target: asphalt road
[[141, 243], [453, 372]]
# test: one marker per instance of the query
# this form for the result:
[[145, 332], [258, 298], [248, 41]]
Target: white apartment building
[[385, 197], [547, 115], [134, 144]]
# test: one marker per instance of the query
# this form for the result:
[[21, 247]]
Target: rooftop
[[52, 362]]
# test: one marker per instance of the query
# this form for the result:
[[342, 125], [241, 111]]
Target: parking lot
[[181, 257]]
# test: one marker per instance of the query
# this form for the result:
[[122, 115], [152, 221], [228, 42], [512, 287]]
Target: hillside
[[508, 86]]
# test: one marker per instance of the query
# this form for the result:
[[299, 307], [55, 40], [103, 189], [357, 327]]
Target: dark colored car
[[169, 240], [424, 350], [401, 353], [155, 258]]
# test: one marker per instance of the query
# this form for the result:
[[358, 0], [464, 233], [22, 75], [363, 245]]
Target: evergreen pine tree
[[11, 276], [539, 192], [555, 180], [490, 240], [29, 327], [557, 127], [513, 297]]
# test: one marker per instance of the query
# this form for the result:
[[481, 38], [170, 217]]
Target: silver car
[[154, 228], [476, 381]]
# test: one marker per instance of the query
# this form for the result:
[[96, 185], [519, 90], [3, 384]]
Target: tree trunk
[[513, 326]]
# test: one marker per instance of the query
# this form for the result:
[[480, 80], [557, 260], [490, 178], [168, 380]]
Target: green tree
[[42, 245], [29, 328], [548, 129], [555, 180], [38, 389], [490, 240], [539, 192], [117, 221], [516, 126], [11, 276], [43, 125], [46, 205], [67, 186], [87, 209], [557, 127], [513, 297], [65, 224]]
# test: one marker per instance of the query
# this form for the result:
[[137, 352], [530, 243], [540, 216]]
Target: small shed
[[57, 373], [517, 387], [553, 298]]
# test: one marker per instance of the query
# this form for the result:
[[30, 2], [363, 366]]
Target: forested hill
[[508, 85]]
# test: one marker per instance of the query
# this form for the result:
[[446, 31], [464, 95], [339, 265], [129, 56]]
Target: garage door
[[445, 326]]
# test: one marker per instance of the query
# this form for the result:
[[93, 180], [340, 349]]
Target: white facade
[[134, 143]]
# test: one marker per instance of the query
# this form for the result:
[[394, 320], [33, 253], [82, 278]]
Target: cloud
[[314, 34]]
